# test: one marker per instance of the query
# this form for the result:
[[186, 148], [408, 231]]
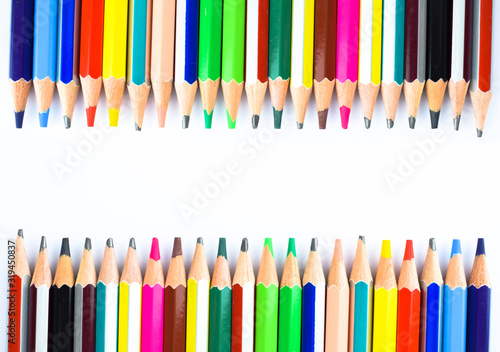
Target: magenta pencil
[[152, 303], [347, 56]]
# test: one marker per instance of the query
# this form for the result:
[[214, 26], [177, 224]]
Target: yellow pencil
[[385, 311]]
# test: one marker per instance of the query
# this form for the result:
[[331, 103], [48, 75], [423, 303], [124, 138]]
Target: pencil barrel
[[290, 316], [174, 333], [266, 318]]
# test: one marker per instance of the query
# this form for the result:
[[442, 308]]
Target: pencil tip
[[199, 240], [114, 114], [155, 250], [434, 119], [344, 116], [479, 133], [244, 245], [386, 249], [314, 244], [409, 250], [255, 121], [455, 248], [65, 247], [20, 233], [480, 247], [337, 251], [291, 247], [43, 243], [231, 124], [277, 114], [368, 123], [177, 250], [90, 111], [67, 122], [222, 248], [432, 244], [109, 243], [456, 122], [19, 116], [362, 239], [322, 117], [88, 244], [411, 122], [137, 127], [300, 125], [43, 117], [269, 243], [208, 119], [131, 243], [185, 121], [390, 123]]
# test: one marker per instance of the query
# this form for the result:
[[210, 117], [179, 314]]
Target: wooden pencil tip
[[368, 123], [322, 117], [155, 250], [291, 247], [65, 247], [177, 250], [362, 239], [479, 133], [386, 249], [337, 252], [88, 244], [390, 123], [67, 122], [314, 244], [455, 248], [456, 122], [20, 233], [432, 244], [222, 248], [300, 125], [255, 121], [480, 247], [109, 243], [269, 243], [131, 243], [409, 250], [185, 121], [43, 243], [411, 122], [244, 245], [199, 240], [434, 119]]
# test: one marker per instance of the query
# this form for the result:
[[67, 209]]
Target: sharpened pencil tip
[[20, 233], [114, 115], [479, 133], [314, 244], [65, 247], [386, 249], [291, 247], [131, 243], [90, 111], [208, 119], [456, 248], [368, 123], [43, 117], [231, 124], [43, 243], [185, 121], [432, 244], [322, 117], [337, 251], [255, 121], [269, 243], [300, 125], [19, 116], [177, 250], [434, 119], [390, 123], [277, 114], [109, 243], [362, 239], [345, 112], [88, 244], [480, 247], [244, 245], [456, 122], [222, 248], [67, 122], [137, 127], [155, 250], [409, 250], [411, 122], [199, 240]]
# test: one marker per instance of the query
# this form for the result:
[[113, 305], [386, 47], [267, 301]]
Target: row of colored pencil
[[216, 314], [373, 44]]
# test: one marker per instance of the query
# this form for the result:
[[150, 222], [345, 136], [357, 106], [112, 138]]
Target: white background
[[330, 184]]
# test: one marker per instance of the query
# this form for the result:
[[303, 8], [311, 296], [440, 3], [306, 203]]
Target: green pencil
[[233, 53], [209, 55], [266, 302], [290, 304], [280, 36], [219, 329]]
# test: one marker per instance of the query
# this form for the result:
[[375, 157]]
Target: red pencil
[[408, 304], [92, 21]]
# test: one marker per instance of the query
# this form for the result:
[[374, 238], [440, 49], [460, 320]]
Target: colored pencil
[[385, 306], [313, 303], [186, 55], [325, 55], [209, 56], [393, 56], [91, 37], [370, 55], [44, 56], [479, 303], [21, 55], [481, 61], [174, 333], [431, 308], [301, 80], [243, 309], [461, 55], [139, 57], [107, 302], [38, 311], [414, 56], [19, 283], [361, 301], [266, 302], [153, 299], [455, 302], [233, 57], [61, 303], [85, 300], [114, 55], [219, 329], [280, 29], [290, 304], [337, 304], [198, 287], [438, 55], [256, 56], [129, 309], [68, 54], [408, 330], [347, 56]]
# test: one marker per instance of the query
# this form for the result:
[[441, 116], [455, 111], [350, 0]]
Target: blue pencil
[[67, 75], [455, 303], [44, 56], [21, 55], [479, 303]]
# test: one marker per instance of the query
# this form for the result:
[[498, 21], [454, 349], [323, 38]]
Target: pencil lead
[[269, 243], [91, 111], [456, 122], [480, 247], [185, 121], [230, 123], [411, 122], [199, 240], [43, 117], [390, 123], [386, 249], [291, 247], [20, 233], [432, 244], [208, 119], [155, 250], [113, 117], [344, 116], [244, 245], [222, 248], [322, 116], [137, 128], [19, 115], [88, 244], [255, 121], [67, 122], [300, 125], [131, 243], [409, 250], [177, 250], [368, 123], [43, 243], [362, 238], [109, 243], [434, 119], [277, 114], [455, 248], [479, 133], [65, 247], [314, 244]]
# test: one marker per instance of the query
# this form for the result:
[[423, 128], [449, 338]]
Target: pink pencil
[[152, 303], [347, 55]]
